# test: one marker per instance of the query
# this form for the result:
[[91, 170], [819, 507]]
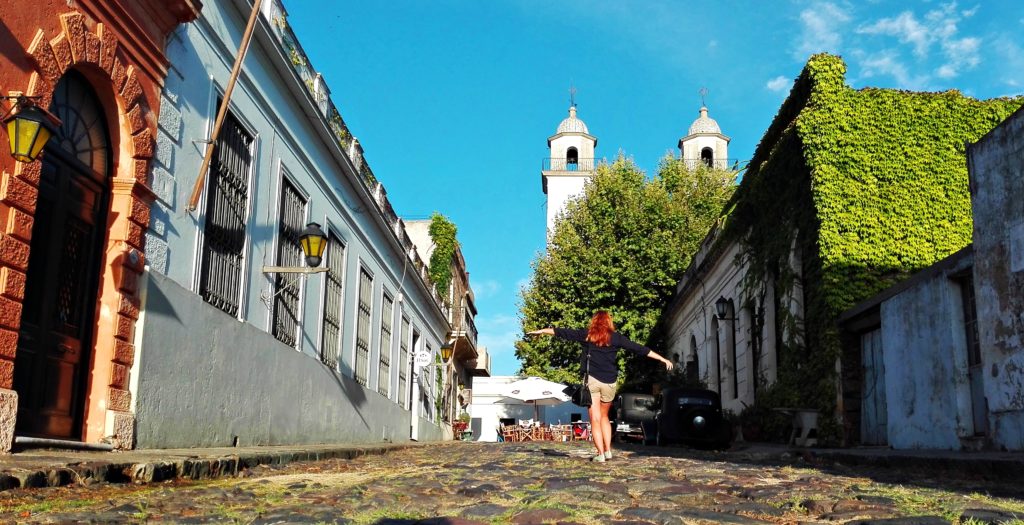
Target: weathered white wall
[[560, 190], [205, 378], [692, 147], [693, 317], [996, 168], [925, 358]]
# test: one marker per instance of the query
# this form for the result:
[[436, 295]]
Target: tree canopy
[[621, 246]]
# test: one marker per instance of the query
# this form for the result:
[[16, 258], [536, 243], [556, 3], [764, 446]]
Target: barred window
[[363, 326], [286, 298], [330, 347], [384, 372], [403, 361], [220, 271]]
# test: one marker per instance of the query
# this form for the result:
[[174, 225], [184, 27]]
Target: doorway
[[58, 314]]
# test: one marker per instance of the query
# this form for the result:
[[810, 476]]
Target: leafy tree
[[442, 232], [621, 246]]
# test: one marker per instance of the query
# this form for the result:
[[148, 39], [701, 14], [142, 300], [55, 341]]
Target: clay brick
[[131, 92], [12, 283], [62, 52], [129, 306], [14, 253], [143, 143], [92, 48], [141, 169], [74, 28], [29, 172], [8, 343], [140, 212], [16, 192], [124, 352], [19, 224], [124, 328], [42, 55], [117, 74], [129, 281], [135, 120], [118, 399], [41, 88], [108, 48], [6, 373], [118, 375], [136, 236], [10, 313]]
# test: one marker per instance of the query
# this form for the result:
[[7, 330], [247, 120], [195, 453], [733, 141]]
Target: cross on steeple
[[572, 95], [703, 93]]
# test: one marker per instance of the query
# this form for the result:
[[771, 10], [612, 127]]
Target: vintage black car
[[692, 417], [629, 412]]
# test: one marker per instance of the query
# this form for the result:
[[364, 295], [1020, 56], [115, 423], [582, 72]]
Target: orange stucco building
[[73, 222]]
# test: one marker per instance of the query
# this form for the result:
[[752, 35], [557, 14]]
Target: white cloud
[[887, 63], [779, 83], [967, 13], [820, 29], [936, 29], [485, 288], [1011, 56], [498, 333]]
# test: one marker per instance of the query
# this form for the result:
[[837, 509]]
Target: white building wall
[[996, 173], [694, 145], [561, 189], [925, 358], [489, 407]]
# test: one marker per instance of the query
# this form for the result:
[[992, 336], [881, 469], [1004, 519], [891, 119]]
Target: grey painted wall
[[925, 356], [996, 168], [204, 378]]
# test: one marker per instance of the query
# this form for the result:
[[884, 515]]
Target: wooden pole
[[222, 112]]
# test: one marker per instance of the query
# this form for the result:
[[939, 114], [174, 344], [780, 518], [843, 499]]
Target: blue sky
[[453, 101]]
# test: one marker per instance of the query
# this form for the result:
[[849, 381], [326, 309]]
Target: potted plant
[[460, 425]]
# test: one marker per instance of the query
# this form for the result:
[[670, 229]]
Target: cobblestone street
[[537, 483]]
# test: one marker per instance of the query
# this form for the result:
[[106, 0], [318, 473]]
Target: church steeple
[[570, 163], [704, 141]]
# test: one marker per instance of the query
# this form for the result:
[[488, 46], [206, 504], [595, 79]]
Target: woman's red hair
[[601, 328]]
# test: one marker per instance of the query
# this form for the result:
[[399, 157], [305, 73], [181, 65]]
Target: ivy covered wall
[[867, 186]]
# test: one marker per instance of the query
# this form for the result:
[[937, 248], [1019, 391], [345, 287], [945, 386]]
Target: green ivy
[[866, 187], [442, 232]]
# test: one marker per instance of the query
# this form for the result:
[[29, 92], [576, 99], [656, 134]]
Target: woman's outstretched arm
[[542, 331]]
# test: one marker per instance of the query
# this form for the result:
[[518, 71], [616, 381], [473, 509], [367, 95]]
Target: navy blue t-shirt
[[603, 365]]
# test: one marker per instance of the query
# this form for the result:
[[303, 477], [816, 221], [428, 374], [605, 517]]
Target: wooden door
[[874, 418]]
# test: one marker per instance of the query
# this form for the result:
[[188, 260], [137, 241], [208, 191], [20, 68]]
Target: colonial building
[[848, 192], [570, 165], [964, 316], [230, 350], [468, 360], [72, 247]]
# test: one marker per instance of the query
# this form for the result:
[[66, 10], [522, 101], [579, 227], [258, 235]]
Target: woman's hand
[[668, 365], [542, 331]]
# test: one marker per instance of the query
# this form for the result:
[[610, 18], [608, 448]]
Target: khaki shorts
[[604, 391]]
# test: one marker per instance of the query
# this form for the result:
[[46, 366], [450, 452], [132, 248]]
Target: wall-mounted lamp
[[29, 127], [313, 241], [446, 351], [722, 308]]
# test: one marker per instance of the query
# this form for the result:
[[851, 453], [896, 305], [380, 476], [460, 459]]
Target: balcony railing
[[463, 323], [556, 164], [718, 164], [314, 83]]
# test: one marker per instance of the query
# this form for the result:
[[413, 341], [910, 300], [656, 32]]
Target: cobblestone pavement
[[467, 483]]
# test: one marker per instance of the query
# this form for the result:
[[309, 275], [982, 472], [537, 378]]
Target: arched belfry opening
[[707, 157], [572, 159]]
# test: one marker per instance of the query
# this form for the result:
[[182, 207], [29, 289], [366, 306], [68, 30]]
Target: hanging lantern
[[313, 241], [29, 127]]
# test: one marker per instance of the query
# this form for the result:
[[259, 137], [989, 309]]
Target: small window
[[707, 156]]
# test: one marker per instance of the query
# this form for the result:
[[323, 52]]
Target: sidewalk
[[33, 468], [49, 467]]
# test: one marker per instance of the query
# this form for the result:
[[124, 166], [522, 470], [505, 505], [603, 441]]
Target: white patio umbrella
[[535, 391]]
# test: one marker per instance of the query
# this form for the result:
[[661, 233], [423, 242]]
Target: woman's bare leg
[[596, 426], [606, 424]]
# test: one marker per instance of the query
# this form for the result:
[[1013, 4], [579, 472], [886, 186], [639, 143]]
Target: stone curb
[[194, 468], [994, 469]]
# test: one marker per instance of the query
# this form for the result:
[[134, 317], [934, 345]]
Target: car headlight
[[699, 421]]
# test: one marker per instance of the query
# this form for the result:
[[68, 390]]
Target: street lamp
[[29, 127], [446, 351], [313, 241], [724, 307]]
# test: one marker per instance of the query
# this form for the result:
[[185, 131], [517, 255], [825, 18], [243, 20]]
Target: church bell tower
[[569, 166]]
